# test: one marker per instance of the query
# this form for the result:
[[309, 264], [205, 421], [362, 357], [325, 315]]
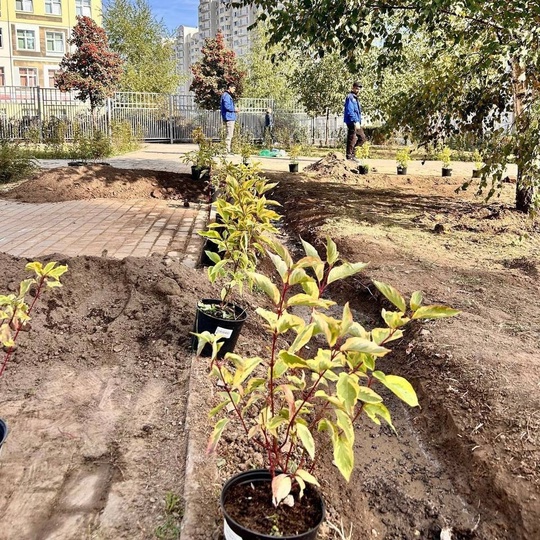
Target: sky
[[175, 12]]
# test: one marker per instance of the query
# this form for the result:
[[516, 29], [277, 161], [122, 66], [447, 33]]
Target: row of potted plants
[[403, 157], [317, 378], [16, 311]]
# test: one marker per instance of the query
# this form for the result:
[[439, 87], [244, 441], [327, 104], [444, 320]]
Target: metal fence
[[32, 113]]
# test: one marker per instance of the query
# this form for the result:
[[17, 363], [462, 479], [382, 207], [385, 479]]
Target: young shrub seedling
[[15, 311]]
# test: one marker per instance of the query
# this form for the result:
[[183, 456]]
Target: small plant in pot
[[403, 157], [362, 153], [240, 236], [319, 376], [478, 164], [203, 158], [244, 143], [294, 154], [15, 312], [445, 155]]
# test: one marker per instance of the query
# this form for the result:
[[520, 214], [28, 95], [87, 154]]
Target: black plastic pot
[[363, 169], [235, 531], [401, 170], [228, 328], [197, 172], [477, 173], [446, 171], [293, 167], [3, 433]]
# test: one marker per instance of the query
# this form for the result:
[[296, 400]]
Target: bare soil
[[96, 394], [104, 181]]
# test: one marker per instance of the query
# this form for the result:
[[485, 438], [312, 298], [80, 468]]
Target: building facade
[[213, 16], [33, 37]]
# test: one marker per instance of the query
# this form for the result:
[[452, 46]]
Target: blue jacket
[[226, 106], [353, 111]]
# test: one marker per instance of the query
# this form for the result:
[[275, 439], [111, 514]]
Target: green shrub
[[15, 163], [124, 137]]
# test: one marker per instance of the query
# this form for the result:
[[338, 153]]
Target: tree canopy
[[93, 70], [483, 59], [217, 68], [144, 44]]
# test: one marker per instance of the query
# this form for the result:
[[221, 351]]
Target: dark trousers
[[355, 137]]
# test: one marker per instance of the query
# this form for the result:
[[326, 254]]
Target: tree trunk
[[326, 127], [525, 191], [524, 195]]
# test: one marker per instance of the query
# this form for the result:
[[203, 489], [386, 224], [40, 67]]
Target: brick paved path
[[136, 228]]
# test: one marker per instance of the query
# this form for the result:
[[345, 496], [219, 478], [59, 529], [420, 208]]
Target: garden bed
[[96, 396]]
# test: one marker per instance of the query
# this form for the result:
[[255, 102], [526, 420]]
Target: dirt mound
[[333, 164], [104, 182]]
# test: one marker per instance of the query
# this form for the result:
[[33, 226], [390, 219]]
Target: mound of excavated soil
[[104, 181], [333, 164]]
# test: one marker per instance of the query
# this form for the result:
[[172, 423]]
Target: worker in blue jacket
[[353, 118], [228, 114]]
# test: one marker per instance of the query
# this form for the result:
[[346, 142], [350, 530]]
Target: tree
[[211, 74], [144, 45], [93, 70], [268, 76], [498, 41]]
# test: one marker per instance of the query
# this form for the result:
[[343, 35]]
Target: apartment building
[[213, 16], [33, 37]]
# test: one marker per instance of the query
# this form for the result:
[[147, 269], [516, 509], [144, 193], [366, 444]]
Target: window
[[2, 76], [24, 5], [52, 73], [53, 7], [82, 7], [55, 42], [28, 76], [26, 40]]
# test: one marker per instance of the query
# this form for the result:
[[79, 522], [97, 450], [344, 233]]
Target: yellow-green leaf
[[306, 477], [367, 395], [332, 254], [266, 285], [344, 271], [391, 294], [309, 249], [434, 312], [416, 300], [401, 387], [365, 346], [375, 410], [347, 390], [306, 437], [216, 435], [344, 457], [292, 360]]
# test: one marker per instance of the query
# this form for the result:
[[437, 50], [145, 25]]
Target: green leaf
[[344, 271], [216, 435], [306, 437], [279, 263], [365, 346], [391, 294], [401, 387], [376, 410], [347, 390], [309, 249], [292, 360], [332, 254], [344, 457], [302, 338], [416, 300], [307, 477], [213, 256], [266, 285], [434, 312], [367, 395]]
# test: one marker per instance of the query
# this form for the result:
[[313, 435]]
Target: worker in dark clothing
[[353, 118]]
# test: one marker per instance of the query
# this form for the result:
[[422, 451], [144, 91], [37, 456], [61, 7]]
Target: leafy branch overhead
[[303, 386]]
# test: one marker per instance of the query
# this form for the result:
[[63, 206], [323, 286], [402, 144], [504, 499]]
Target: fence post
[[39, 112], [171, 127], [108, 104]]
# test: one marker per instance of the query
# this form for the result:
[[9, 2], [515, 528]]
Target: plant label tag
[[229, 533], [225, 332]]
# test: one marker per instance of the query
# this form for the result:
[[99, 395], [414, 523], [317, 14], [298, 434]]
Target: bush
[[124, 138], [15, 163]]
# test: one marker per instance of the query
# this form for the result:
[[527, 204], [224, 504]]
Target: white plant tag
[[229, 533], [225, 332]]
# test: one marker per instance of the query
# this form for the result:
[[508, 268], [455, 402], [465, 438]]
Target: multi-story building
[[213, 16], [33, 37]]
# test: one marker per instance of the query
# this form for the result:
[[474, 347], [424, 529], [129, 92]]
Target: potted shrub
[[362, 153], [445, 155], [245, 146], [319, 376], [15, 313], [240, 234], [478, 164], [403, 157], [203, 158], [294, 153]]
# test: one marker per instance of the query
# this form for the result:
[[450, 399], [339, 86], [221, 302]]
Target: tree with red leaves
[[93, 70], [217, 68]]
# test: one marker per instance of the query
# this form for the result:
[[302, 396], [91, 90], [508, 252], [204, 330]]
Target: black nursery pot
[[234, 531], [477, 173], [229, 328], [402, 170], [3, 433], [363, 169], [293, 167], [446, 171]]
